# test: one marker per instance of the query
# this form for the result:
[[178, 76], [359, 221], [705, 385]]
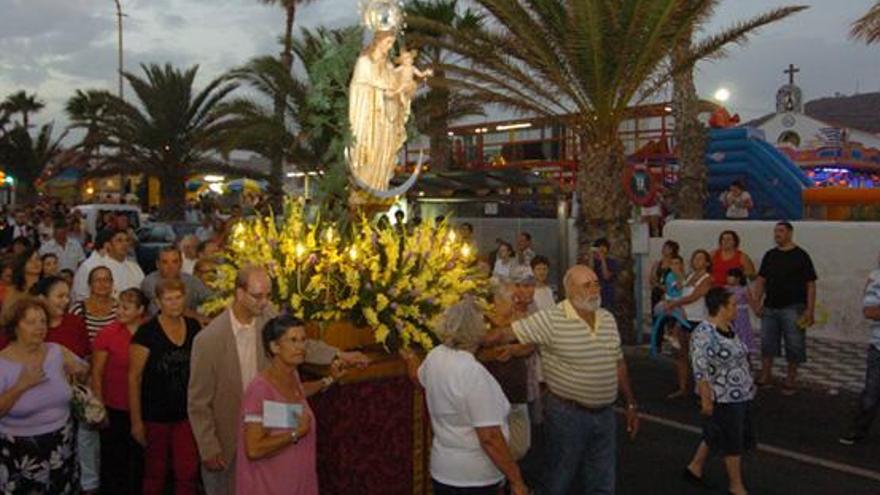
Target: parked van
[[93, 215]]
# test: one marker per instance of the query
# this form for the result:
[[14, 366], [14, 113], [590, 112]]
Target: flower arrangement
[[394, 281]]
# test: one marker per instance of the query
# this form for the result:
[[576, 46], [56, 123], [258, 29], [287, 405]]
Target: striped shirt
[[578, 360], [94, 323]]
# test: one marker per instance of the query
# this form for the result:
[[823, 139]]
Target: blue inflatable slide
[[773, 180]]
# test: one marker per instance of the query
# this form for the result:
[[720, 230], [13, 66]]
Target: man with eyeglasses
[[226, 356]]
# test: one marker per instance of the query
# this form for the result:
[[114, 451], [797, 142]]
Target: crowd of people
[[572, 371], [85, 326], [528, 405], [166, 396], [704, 314]]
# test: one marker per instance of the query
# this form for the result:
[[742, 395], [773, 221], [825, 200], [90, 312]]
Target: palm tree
[[289, 7], [690, 137], [87, 109], [171, 134], [5, 120], [22, 155], [276, 175], [867, 27], [25, 157], [313, 128], [439, 106], [23, 103], [252, 124], [588, 60]]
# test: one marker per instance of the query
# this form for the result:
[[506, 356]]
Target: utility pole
[[119, 32]]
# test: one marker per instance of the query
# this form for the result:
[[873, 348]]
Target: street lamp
[[119, 32], [722, 95]]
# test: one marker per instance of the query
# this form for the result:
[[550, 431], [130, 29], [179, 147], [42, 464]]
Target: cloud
[[53, 47], [35, 34], [173, 21], [39, 18]]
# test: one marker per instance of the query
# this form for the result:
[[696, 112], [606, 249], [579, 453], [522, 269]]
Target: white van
[[93, 215]]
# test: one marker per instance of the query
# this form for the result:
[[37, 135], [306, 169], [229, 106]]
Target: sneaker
[[850, 439]]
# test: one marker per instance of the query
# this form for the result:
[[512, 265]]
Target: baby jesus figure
[[406, 74]]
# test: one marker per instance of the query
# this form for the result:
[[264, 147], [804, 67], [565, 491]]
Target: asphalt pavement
[[798, 449]]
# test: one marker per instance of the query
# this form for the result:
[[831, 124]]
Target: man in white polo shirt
[[583, 366], [114, 255], [68, 251]]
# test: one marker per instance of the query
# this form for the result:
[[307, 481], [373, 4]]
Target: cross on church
[[791, 71]]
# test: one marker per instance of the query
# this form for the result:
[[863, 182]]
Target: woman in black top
[[158, 379]]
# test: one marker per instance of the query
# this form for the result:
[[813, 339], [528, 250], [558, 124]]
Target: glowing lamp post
[[722, 95]]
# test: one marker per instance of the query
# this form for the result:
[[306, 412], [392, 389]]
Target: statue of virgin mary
[[377, 117]]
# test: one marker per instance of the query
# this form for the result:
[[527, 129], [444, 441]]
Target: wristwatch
[[326, 382], [294, 435]]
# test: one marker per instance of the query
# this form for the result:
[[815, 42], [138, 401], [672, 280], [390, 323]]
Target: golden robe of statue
[[376, 114]]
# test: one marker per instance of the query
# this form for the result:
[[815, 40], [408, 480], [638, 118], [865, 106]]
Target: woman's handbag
[[520, 431], [87, 409]]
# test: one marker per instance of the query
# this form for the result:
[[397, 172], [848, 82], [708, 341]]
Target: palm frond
[[867, 27]]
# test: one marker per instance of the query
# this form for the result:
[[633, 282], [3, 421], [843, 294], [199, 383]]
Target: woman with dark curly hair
[[729, 256]]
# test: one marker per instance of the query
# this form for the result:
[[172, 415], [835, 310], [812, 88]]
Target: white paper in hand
[[281, 414]]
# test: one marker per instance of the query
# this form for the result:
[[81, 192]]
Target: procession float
[[361, 282]]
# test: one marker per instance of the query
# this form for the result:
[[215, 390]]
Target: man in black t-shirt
[[787, 284]]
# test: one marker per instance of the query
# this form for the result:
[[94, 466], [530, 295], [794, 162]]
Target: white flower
[[56, 458], [42, 475]]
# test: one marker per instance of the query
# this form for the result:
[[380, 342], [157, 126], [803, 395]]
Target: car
[[152, 237]]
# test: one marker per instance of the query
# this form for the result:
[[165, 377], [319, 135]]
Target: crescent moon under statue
[[390, 193]]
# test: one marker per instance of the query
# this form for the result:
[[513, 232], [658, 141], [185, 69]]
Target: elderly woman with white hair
[[468, 412]]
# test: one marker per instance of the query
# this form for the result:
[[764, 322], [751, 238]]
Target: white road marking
[[770, 449]]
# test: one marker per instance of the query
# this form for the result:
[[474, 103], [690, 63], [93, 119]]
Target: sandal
[[692, 478]]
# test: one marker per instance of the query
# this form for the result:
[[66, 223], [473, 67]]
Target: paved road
[[807, 424]]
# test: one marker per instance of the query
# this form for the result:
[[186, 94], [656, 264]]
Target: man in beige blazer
[[226, 356]]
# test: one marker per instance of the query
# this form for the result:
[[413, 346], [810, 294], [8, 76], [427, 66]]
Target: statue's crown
[[382, 15]]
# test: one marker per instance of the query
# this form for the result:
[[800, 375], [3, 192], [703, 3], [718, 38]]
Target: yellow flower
[[349, 303], [371, 317], [381, 302], [381, 334], [296, 301], [401, 270]]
